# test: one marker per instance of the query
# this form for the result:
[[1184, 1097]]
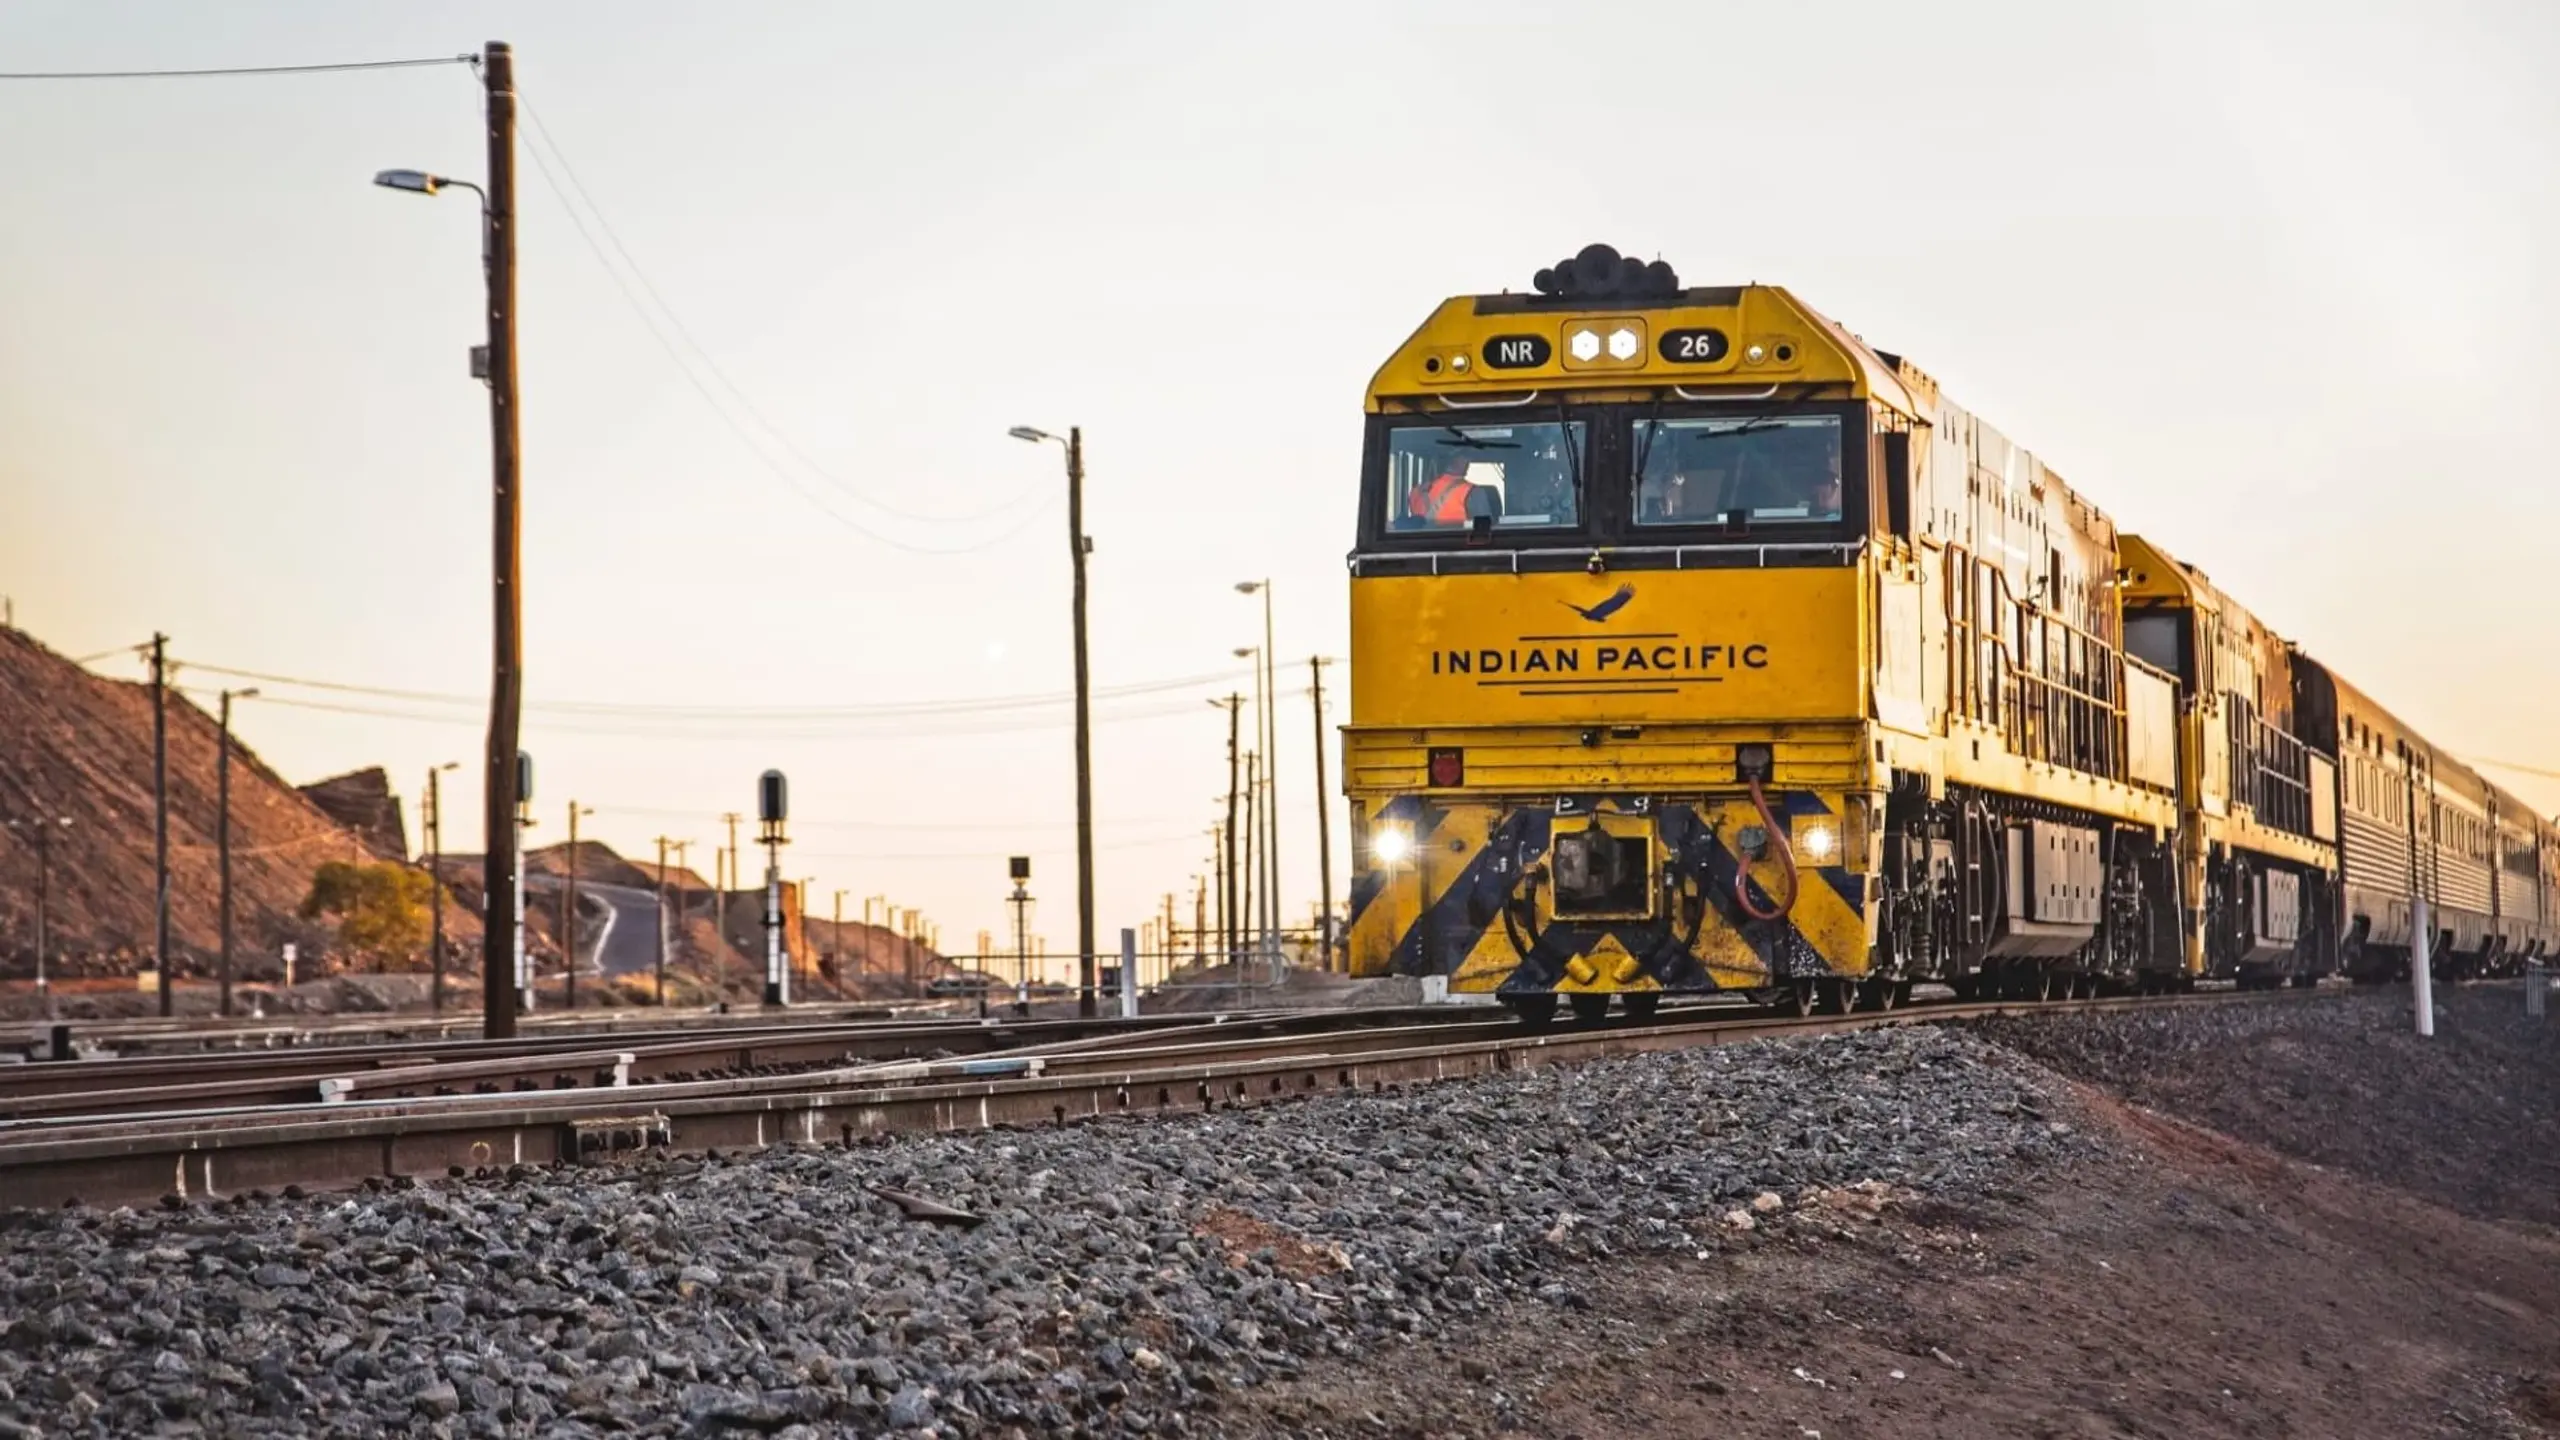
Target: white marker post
[[524, 957], [2421, 936], [1129, 974]]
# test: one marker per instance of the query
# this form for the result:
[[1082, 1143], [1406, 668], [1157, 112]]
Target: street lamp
[[1257, 847], [222, 832], [497, 365], [1078, 546], [1268, 679]]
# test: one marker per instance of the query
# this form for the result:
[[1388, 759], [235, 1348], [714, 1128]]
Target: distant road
[[625, 942]]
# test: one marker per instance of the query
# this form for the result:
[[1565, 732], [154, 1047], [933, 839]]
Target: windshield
[[1744, 469], [1439, 477]]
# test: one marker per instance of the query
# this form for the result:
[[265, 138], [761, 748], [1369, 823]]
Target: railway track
[[221, 1150], [55, 1091], [36, 1040]]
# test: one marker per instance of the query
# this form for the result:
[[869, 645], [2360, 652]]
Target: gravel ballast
[[2463, 1118], [1126, 1275]]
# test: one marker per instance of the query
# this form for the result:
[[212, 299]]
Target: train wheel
[[1836, 995], [1532, 1009], [1878, 995], [1641, 1004], [1968, 988], [1796, 999], [1901, 992], [1589, 1009], [2305, 982]]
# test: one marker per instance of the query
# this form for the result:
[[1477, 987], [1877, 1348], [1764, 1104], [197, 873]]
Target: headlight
[[1819, 842], [1391, 844]]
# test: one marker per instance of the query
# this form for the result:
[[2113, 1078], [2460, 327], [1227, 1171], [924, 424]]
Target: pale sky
[[2272, 284]]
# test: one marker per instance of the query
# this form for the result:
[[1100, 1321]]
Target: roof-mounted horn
[[1601, 273]]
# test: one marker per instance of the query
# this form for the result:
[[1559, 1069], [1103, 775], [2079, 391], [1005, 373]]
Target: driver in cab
[[1825, 502], [1443, 500]]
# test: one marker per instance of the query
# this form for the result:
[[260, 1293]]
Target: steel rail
[[214, 1035], [335, 1146], [99, 1088]]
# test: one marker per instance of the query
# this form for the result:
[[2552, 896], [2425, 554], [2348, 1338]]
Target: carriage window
[[1439, 477], [1752, 468]]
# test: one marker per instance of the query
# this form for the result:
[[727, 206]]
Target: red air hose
[[1786, 861]]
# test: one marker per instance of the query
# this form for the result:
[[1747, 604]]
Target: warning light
[[1448, 768]]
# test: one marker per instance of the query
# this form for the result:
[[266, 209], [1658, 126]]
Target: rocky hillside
[[77, 745]]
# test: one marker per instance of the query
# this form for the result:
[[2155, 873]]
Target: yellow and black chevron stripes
[[1455, 903]]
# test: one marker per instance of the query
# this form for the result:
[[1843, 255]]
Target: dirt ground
[[2469, 1117], [2182, 1283]]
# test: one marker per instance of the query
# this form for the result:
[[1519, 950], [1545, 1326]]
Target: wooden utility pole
[[506, 687], [435, 892], [160, 808], [1227, 868], [663, 843], [569, 918], [222, 840], [1252, 860], [1078, 547], [721, 980], [683, 849], [1324, 831], [1199, 919]]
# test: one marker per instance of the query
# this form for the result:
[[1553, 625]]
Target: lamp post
[[435, 879], [1257, 883], [222, 832], [1268, 677], [497, 365], [1078, 546], [42, 827]]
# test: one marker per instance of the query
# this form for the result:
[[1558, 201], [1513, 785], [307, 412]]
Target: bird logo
[[1600, 612]]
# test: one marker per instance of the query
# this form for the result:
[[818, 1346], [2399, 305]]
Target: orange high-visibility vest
[[1443, 501]]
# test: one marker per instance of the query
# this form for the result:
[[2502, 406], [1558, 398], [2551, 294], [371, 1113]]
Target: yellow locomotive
[[1697, 645]]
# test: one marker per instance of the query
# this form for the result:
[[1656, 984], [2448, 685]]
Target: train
[[1699, 646]]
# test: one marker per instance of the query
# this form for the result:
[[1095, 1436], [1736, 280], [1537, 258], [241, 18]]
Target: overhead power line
[[892, 710], [726, 733], [684, 334], [673, 338], [2518, 769], [342, 65], [902, 825]]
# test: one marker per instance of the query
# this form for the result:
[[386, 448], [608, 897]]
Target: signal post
[[772, 809]]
